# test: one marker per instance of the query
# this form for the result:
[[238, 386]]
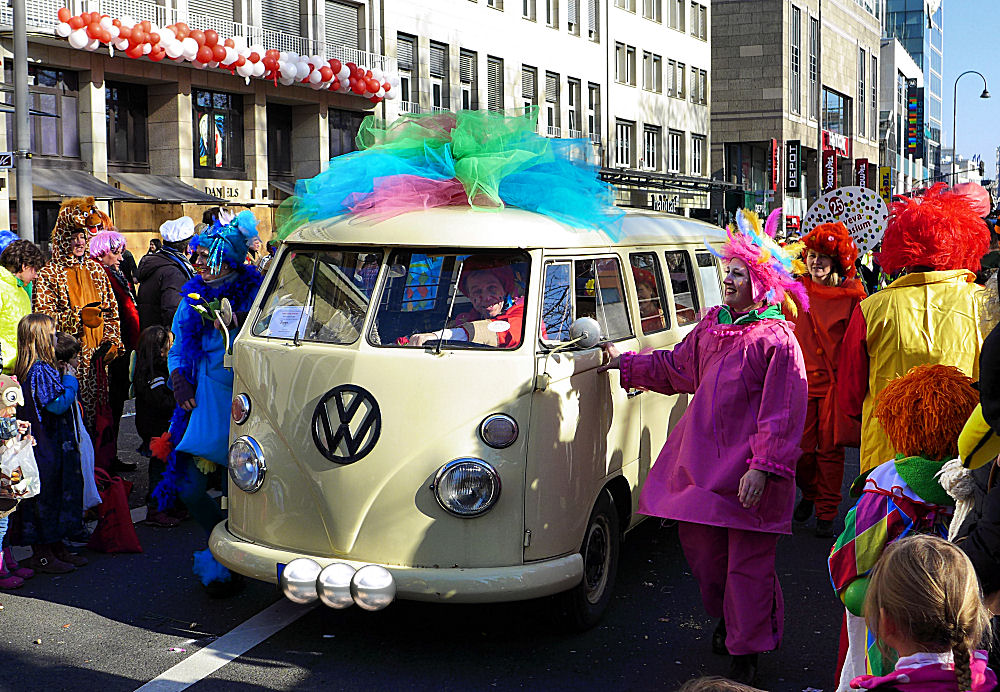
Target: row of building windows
[[217, 118], [551, 112], [653, 10], [653, 76], [652, 157], [550, 14], [867, 97]]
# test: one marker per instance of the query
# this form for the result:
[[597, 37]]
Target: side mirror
[[586, 332]]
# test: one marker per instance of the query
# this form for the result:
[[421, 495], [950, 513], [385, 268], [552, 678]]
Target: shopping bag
[[91, 495], [115, 532], [19, 477]]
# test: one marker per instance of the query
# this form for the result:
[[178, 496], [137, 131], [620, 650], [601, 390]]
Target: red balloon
[[336, 66], [157, 54], [386, 86], [204, 54], [63, 14], [240, 61], [105, 36], [218, 52], [211, 38], [254, 57], [229, 43], [326, 73], [198, 35], [117, 22], [273, 52], [124, 33], [368, 74], [358, 87], [138, 37], [372, 85], [335, 86], [181, 29], [153, 39], [146, 25], [269, 63], [75, 23], [374, 99], [134, 52], [94, 30]]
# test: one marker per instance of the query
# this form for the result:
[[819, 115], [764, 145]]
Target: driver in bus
[[497, 315]]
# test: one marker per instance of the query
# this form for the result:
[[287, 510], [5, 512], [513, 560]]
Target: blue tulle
[[208, 569]]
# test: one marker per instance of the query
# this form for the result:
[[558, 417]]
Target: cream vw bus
[[393, 439]]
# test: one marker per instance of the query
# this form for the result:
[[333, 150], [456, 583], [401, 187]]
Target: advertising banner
[[861, 173], [793, 167], [829, 170], [885, 183]]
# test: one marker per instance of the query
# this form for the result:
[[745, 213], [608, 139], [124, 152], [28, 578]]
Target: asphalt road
[[126, 620]]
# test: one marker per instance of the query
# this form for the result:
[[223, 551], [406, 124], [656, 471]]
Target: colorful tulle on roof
[[771, 269], [481, 159]]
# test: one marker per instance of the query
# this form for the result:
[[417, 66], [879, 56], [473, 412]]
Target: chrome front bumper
[[454, 585]]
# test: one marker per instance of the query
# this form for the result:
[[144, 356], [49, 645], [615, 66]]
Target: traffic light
[[982, 168]]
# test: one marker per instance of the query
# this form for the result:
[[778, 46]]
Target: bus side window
[[600, 294], [557, 302], [653, 313], [708, 269], [683, 286]]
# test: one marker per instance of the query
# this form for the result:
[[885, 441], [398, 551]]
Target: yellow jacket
[[920, 318], [15, 303]]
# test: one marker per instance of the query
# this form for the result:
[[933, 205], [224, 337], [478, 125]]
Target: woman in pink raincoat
[[727, 470]]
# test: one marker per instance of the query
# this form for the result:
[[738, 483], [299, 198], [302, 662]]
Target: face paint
[[737, 288]]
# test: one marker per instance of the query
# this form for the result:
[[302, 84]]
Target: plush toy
[[10, 398]]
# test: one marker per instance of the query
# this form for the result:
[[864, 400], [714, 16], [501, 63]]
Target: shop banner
[[861, 173], [829, 170], [793, 166], [885, 184], [775, 163]]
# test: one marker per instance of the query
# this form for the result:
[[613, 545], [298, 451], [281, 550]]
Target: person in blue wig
[[196, 445]]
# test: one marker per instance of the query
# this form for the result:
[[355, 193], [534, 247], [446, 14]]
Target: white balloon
[[377, 74], [199, 65], [127, 20], [258, 69], [93, 44], [121, 44], [315, 77], [291, 56], [380, 93], [244, 51], [63, 30], [240, 42], [190, 55], [168, 33], [115, 32], [78, 38], [106, 23], [230, 56], [287, 80], [189, 44], [173, 49], [301, 70], [258, 49], [245, 70], [147, 48], [344, 74]]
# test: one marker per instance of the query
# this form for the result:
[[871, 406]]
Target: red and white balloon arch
[[204, 49]]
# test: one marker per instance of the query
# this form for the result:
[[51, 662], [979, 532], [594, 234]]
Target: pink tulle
[[395, 195]]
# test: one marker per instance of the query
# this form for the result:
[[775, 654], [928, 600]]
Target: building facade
[[919, 26], [796, 84], [900, 106], [631, 75]]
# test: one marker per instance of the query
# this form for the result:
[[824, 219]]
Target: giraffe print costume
[[67, 283]]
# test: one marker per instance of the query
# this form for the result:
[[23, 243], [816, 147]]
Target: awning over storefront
[[70, 183], [287, 188], [164, 188]]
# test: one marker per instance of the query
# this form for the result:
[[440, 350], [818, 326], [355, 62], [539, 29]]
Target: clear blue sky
[[972, 42]]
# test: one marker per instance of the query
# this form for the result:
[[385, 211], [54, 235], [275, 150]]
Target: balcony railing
[[553, 131], [440, 109], [575, 134], [41, 15], [409, 107]]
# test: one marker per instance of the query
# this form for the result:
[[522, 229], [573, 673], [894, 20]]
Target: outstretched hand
[[611, 357], [751, 488]]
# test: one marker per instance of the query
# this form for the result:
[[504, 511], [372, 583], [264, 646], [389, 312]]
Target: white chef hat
[[177, 229]]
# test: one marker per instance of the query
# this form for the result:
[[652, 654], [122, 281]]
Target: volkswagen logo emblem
[[346, 424]]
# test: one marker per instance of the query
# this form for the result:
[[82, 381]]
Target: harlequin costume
[[198, 440], [63, 289], [819, 331], [749, 384], [930, 315], [923, 414]]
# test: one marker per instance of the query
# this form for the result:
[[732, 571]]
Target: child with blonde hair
[[923, 601]]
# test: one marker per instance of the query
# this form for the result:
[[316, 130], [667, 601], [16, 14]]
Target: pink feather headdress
[[771, 269]]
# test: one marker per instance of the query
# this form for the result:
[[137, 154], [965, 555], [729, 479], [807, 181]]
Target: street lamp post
[[954, 119]]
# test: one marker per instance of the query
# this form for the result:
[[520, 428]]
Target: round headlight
[[246, 464], [498, 430], [467, 487], [240, 409]]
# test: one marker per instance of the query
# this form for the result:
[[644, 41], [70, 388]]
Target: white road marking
[[228, 647]]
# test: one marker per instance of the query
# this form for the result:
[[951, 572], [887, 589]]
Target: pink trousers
[[736, 574]]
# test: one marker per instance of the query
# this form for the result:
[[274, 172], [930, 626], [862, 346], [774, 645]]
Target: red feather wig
[[939, 229], [833, 240]]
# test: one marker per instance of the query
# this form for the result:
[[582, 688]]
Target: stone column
[[171, 130], [255, 134], [92, 116], [310, 140]]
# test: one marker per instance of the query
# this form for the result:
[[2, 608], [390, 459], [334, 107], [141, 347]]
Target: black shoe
[[743, 669], [719, 639], [226, 589], [803, 510], [824, 528], [127, 466]]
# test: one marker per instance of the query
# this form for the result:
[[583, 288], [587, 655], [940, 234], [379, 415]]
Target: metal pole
[[954, 119], [819, 105], [25, 211]]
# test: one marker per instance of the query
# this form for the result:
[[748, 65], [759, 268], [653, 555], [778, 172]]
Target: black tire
[[584, 604]]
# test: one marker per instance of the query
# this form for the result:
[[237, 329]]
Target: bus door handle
[[633, 393]]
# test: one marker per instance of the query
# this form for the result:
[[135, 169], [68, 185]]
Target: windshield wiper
[[451, 305]]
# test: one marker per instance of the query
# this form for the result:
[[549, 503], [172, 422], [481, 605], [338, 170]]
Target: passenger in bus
[[650, 314], [497, 315]]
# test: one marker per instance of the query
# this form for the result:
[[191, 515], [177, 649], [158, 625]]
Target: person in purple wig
[[727, 471]]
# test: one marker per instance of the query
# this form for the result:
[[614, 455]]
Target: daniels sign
[[793, 166], [829, 170]]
